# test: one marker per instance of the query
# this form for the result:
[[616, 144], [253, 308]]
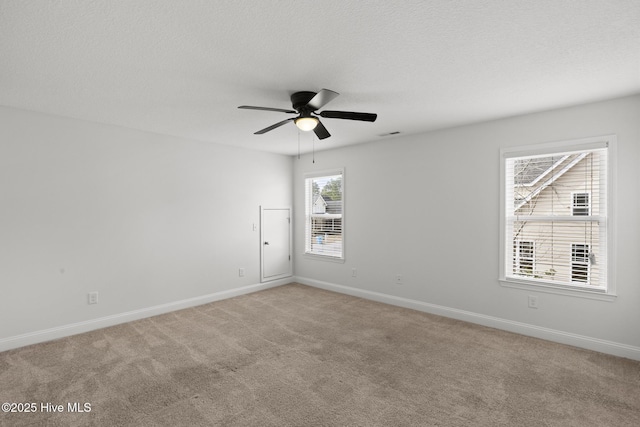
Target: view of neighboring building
[[326, 224]]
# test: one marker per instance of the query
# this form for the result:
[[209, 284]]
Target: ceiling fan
[[305, 105]]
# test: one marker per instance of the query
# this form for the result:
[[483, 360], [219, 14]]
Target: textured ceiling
[[182, 67]]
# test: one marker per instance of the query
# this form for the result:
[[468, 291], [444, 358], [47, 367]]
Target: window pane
[[524, 258], [566, 184], [555, 253], [324, 212], [581, 204], [580, 273], [579, 253]]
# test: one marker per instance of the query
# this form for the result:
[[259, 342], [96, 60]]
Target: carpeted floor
[[299, 356]]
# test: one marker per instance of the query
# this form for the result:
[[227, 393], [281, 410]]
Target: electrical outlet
[[93, 297], [354, 272], [533, 301], [241, 272], [398, 279]]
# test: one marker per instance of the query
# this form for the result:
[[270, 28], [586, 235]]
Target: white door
[[275, 233]]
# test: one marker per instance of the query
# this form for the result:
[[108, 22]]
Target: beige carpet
[[299, 356]]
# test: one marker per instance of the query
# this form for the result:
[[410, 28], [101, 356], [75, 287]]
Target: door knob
[[266, 243]]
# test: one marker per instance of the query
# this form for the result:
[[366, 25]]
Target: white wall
[[155, 221], [424, 214], [145, 220]]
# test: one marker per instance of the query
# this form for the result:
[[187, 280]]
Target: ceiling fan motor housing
[[300, 100]]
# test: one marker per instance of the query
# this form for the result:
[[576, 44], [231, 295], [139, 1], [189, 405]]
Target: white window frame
[[608, 293], [308, 212]]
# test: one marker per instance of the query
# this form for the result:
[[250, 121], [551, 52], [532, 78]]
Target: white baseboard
[[116, 319], [590, 343]]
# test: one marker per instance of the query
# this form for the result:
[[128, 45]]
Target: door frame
[[290, 272]]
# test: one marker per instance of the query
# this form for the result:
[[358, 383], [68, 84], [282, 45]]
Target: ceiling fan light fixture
[[306, 123]]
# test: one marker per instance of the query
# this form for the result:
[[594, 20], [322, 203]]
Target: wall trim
[[44, 335], [581, 341]]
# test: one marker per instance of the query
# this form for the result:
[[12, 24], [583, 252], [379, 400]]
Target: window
[[580, 263], [324, 214], [580, 204], [555, 216], [523, 260]]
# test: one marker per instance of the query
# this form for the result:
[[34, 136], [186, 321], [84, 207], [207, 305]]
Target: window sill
[[324, 257], [558, 290]]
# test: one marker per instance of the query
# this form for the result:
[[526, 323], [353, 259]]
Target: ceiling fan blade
[[321, 131], [349, 115], [272, 127], [280, 110], [321, 98]]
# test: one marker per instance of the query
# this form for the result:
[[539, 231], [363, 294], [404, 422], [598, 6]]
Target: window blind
[[556, 218], [324, 214]]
